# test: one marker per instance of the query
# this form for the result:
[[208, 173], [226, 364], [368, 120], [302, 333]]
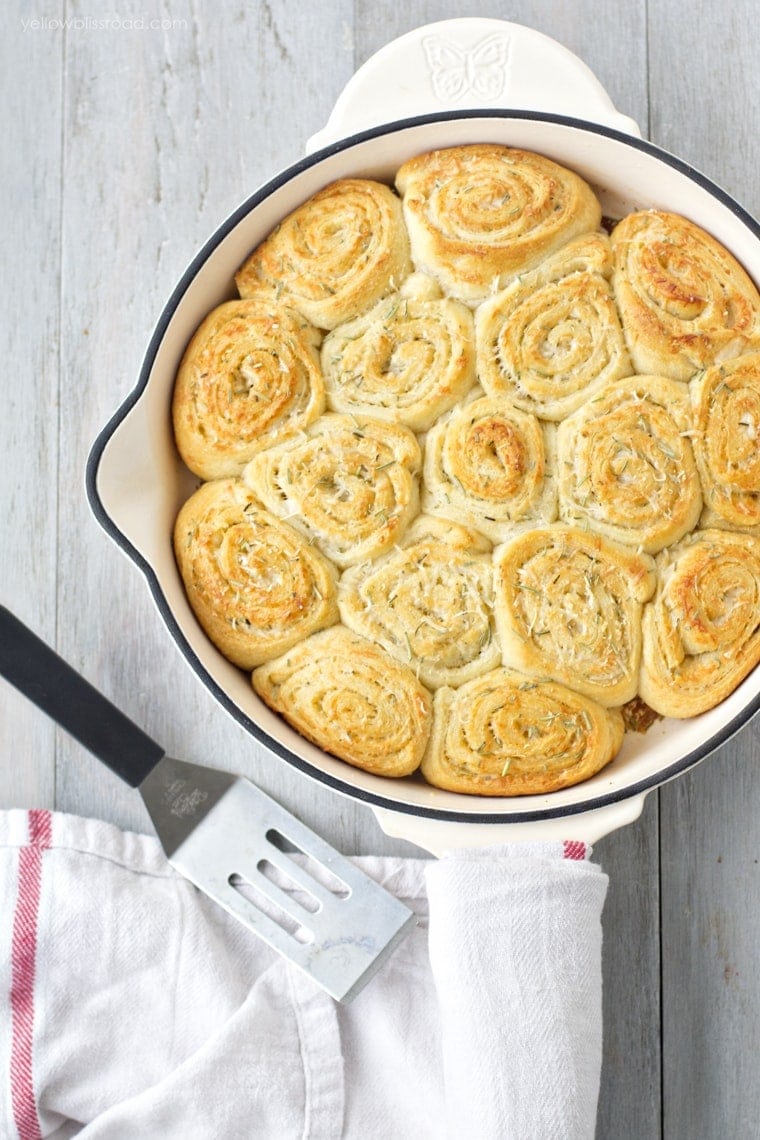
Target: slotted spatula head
[[269, 870], [231, 840]]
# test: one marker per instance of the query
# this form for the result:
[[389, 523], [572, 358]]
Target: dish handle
[[438, 836], [469, 64]]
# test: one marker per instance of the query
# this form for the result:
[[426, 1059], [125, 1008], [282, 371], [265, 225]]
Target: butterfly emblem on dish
[[456, 71]]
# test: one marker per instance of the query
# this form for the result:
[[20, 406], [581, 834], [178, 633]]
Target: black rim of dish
[[96, 453]]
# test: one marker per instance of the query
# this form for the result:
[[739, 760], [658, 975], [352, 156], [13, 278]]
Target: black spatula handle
[[40, 674]]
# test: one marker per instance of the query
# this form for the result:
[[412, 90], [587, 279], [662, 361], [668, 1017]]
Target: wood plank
[[711, 902], [630, 1095], [31, 62], [706, 108], [705, 91]]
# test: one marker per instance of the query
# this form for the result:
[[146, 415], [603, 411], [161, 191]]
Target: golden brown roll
[[347, 484], [702, 628], [255, 585], [346, 695], [490, 466], [626, 466], [428, 602], [505, 734], [726, 401], [553, 337], [249, 378], [568, 608], [479, 215], [407, 360], [333, 257], [684, 299]]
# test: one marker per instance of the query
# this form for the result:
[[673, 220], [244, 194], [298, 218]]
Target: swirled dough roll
[[249, 378], [553, 337], [626, 466], [490, 466], [256, 586], [504, 734], [428, 602], [479, 215], [348, 485], [408, 360], [568, 608], [726, 401], [334, 256], [702, 628], [346, 695], [685, 301]]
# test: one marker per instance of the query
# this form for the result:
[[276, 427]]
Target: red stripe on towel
[[574, 849], [23, 961]]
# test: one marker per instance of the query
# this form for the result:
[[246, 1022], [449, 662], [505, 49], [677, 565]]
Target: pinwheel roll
[[249, 378], [346, 695], [553, 338], [726, 401], [504, 734], [685, 301], [568, 608], [626, 466], [479, 215], [256, 586], [408, 360], [333, 257], [348, 485], [702, 629], [428, 602], [491, 467]]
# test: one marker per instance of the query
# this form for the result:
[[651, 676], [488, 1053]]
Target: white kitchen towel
[[133, 1008]]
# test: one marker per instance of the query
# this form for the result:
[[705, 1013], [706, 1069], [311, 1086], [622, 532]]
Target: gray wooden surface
[[124, 147]]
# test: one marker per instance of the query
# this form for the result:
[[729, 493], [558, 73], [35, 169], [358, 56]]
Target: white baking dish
[[464, 81]]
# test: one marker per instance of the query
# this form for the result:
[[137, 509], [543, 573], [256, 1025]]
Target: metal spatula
[[225, 835]]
